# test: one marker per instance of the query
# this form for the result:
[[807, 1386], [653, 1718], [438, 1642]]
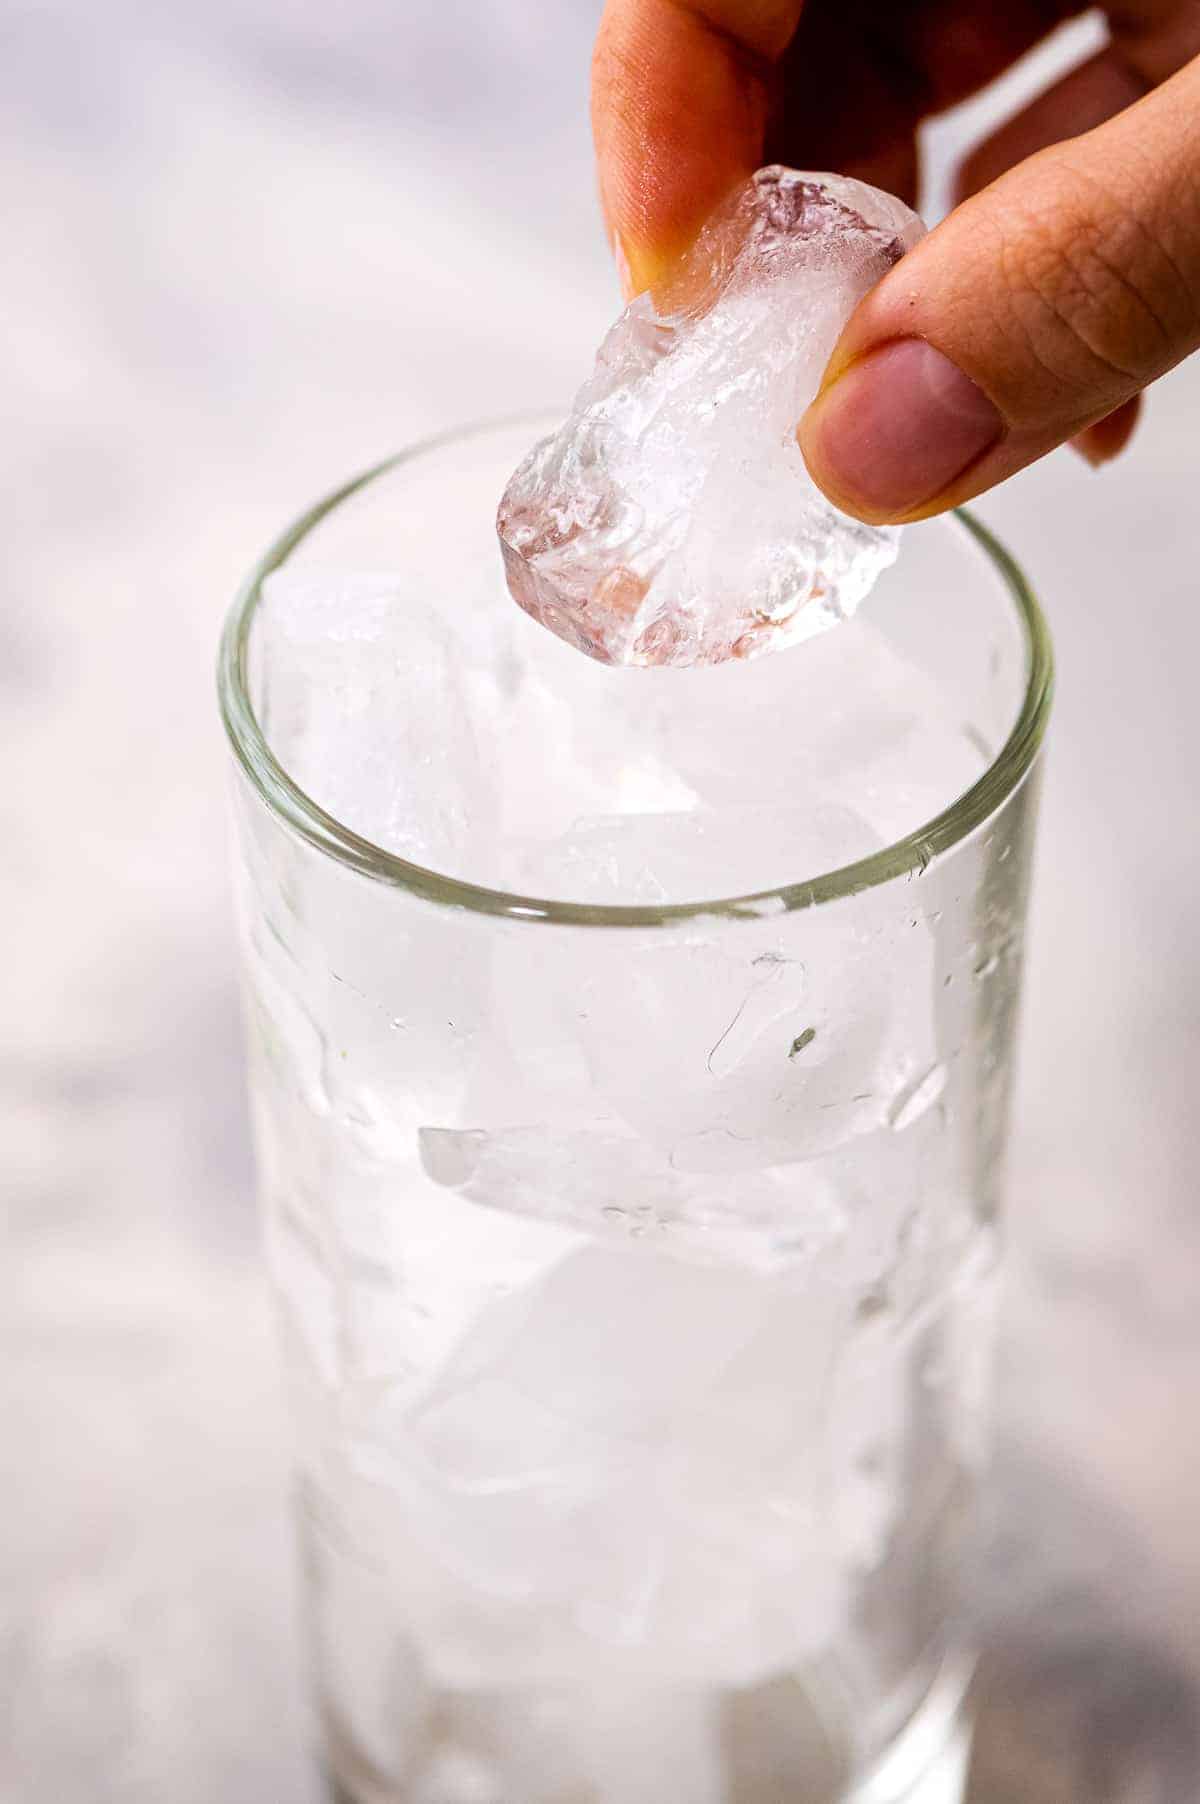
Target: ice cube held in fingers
[[671, 520]]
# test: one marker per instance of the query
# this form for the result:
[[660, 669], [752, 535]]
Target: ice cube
[[455, 1776], [849, 719], [733, 1050], [631, 1737], [867, 1418], [672, 520], [601, 1739], [621, 1344], [615, 1186], [614, 1469], [425, 729], [371, 1677], [366, 700], [697, 854]]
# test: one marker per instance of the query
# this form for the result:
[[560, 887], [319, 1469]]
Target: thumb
[[1033, 311]]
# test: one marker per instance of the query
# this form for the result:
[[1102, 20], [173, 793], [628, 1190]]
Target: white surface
[[249, 248]]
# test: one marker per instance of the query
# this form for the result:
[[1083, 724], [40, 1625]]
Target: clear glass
[[628, 1470]]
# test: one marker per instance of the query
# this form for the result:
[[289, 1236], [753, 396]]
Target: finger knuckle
[[1094, 282]]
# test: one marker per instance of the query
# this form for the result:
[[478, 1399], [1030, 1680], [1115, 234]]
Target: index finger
[[680, 94]]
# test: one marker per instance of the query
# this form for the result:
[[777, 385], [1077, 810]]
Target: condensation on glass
[[640, 1413]]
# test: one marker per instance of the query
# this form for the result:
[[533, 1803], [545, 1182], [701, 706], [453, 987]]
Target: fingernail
[[896, 428], [624, 273], [639, 269], [1095, 456], [1105, 439]]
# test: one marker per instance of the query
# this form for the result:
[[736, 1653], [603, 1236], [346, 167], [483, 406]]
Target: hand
[[1067, 278]]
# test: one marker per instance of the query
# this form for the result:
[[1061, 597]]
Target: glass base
[[925, 1764]]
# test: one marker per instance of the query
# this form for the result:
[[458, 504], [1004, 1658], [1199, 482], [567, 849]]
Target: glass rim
[[325, 833]]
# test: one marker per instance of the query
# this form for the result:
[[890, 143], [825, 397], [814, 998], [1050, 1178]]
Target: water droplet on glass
[[450, 1155]]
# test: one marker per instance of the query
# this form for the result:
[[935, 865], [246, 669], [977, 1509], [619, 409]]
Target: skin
[[1065, 280]]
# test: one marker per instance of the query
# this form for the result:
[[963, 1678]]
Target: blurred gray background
[[250, 247]]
